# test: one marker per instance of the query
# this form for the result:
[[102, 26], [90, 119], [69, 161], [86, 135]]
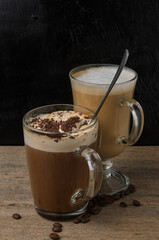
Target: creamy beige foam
[[99, 79], [79, 136]]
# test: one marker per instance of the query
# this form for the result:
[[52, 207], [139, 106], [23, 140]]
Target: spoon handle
[[120, 68]]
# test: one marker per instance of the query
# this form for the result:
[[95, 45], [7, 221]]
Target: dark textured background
[[40, 41]]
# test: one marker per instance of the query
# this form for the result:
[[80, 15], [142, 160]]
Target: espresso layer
[[55, 177]]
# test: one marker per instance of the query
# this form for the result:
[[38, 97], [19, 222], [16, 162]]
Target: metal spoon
[[119, 70]]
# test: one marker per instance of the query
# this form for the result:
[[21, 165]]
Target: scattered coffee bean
[[127, 192], [76, 220], [101, 196], [116, 197], [91, 204], [102, 203], [94, 201], [16, 216], [132, 188], [109, 199], [136, 203], [54, 236], [57, 229], [122, 194], [85, 219], [94, 207], [57, 224], [123, 204], [87, 214], [95, 210], [104, 200]]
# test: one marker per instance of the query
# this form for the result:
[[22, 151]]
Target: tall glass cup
[[65, 171], [89, 84]]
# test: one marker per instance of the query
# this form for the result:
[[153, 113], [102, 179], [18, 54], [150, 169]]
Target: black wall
[[41, 41]]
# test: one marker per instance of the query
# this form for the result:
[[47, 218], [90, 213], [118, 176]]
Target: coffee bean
[[123, 204], [102, 203], [87, 214], [76, 220], [103, 200], [127, 191], [94, 201], [136, 203], [95, 210], [106, 200], [101, 196], [132, 188], [116, 196], [85, 219], [57, 224], [57, 229], [122, 194], [16, 216], [91, 204], [109, 199], [54, 236]]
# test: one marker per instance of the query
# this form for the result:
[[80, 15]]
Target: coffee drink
[[89, 85], [57, 171]]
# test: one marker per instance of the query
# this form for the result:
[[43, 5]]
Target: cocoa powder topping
[[67, 126], [60, 124]]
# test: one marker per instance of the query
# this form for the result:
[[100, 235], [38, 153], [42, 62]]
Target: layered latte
[[56, 169]]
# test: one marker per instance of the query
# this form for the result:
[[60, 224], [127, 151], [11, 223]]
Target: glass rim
[[57, 133], [89, 66]]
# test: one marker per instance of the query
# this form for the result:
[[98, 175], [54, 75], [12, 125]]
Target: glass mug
[[65, 172], [89, 84]]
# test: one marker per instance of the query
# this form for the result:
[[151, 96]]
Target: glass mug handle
[[137, 122], [94, 163]]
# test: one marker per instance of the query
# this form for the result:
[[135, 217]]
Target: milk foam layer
[[102, 76], [81, 134]]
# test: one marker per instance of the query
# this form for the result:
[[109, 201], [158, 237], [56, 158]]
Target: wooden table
[[141, 164]]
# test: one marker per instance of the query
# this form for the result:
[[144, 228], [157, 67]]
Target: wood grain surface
[[141, 164], [42, 40]]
